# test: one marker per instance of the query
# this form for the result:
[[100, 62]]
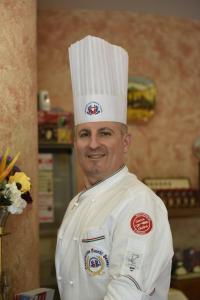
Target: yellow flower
[[22, 179]]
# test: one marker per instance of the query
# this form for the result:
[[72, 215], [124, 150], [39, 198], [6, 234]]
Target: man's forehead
[[97, 126]]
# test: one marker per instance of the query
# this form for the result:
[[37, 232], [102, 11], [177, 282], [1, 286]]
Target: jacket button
[[71, 282], [59, 278]]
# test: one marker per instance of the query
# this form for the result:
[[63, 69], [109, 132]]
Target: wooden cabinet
[[188, 284]]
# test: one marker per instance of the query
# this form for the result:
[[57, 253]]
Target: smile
[[95, 156]]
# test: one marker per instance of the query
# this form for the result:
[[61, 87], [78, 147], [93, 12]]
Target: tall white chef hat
[[99, 75]]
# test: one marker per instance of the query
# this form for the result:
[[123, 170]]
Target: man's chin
[[93, 172]]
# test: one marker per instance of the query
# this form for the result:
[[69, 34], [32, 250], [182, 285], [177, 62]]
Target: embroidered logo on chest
[[96, 261], [141, 223]]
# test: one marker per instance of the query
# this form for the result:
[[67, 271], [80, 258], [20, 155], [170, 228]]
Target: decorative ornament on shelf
[[14, 195]]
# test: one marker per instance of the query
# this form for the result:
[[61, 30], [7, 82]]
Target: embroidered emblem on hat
[[96, 261], [141, 223], [93, 108]]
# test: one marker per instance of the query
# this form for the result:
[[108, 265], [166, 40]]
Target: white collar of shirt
[[104, 184]]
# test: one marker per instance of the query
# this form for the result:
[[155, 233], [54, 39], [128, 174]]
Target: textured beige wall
[[18, 130], [165, 49]]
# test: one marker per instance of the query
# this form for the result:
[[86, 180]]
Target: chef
[[115, 241]]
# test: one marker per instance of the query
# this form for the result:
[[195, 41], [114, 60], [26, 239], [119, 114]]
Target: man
[[114, 242]]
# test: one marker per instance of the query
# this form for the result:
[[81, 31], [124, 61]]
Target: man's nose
[[94, 142]]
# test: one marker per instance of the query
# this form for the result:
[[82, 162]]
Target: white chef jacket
[[115, 243]]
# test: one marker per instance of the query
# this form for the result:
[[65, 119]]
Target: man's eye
[[105, 133], [83, 134]]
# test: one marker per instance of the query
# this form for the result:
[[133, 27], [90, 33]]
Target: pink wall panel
[[164, 49]]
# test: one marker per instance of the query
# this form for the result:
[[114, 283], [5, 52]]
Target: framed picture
[[141, 99]]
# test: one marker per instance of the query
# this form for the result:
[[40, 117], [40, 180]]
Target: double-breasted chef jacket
[[115, 243]]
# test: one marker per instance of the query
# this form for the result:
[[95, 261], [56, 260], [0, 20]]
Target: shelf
[[186, 276], [51, 233], [55, 148], [184, 212], [189, 285]]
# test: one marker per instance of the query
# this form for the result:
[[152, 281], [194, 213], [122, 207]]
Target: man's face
[[100, 148]]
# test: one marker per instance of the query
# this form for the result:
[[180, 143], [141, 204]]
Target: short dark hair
[[123, 128]]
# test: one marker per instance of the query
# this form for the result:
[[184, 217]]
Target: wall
[[165, 49], [18, 130]]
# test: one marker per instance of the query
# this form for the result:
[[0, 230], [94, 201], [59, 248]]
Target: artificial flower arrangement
[[14, 185]]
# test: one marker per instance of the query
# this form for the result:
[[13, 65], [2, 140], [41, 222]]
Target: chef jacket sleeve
[[141, 254]]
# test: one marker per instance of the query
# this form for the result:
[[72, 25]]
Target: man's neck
[[94, 180]]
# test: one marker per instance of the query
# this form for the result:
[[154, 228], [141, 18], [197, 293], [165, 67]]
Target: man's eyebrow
[[106, 128], [84, 129]]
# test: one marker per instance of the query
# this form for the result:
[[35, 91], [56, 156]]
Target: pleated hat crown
[[99, 75]]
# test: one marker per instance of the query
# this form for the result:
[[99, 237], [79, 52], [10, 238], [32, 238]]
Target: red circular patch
[[141, 223]]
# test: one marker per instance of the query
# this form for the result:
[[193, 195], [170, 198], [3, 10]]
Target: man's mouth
[[96, 155]]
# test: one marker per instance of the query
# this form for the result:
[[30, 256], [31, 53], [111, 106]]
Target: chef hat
[[99, 75]]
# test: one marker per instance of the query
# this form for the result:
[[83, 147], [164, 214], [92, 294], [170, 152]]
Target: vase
[[4, 213], [4, 287]]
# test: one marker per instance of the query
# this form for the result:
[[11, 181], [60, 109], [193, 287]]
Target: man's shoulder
[[137, 193]]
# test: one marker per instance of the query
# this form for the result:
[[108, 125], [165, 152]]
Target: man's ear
[[127, 141]]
